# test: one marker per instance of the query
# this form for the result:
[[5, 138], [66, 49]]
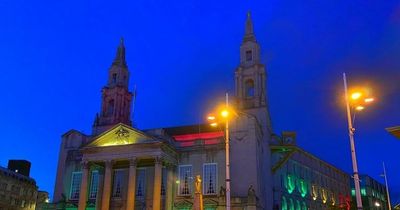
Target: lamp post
[[356, 97], [387, 187], [225, 116]]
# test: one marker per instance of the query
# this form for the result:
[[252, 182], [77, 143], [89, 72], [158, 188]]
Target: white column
[[130, 200], [84, 185], [157, 184], [105, 200], [169, 187]]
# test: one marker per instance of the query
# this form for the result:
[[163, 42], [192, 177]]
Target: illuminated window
[[249, 85], [75, 185], [117, 183], [209, 178], [94, 185], [140, 183], [284, 203], [249, 55], [185, 180]]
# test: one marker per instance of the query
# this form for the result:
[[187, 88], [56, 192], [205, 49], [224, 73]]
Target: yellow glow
[[177, 181], [369, 100], [356, 95], [377, 204], [214, 124], [224, 113], [47, 200], [211, 117], [360, 108]]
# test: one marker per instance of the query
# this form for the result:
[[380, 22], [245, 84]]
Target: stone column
[[100, 188], [130, 200], [105, 200], [169, 187], [157, 184], [84, 186]]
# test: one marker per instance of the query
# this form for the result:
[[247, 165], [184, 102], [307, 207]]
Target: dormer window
[[249, 55]]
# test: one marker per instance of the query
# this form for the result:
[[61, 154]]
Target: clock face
[[288, 140]]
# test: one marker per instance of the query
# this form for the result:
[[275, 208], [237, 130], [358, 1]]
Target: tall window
[[249, 85], [209, 178], [117, 184], [140, 183], [249, 55], [110, 108], [185, 180], [163, 181], [94, 185], [75, 185], [114, 78]]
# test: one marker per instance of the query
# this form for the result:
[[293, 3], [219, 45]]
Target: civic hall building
[[118, 166]]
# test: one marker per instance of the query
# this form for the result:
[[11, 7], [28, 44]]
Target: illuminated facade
[[303, 181], [373, 194], [121, 167]]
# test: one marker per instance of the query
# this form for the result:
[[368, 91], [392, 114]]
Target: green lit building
[[303, 181], [373, 194]]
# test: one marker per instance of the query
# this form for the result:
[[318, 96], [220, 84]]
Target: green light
[[291, 204], [298, 206], [284, 203], [353, 192], [363, 191], [291, 183], [303, 188]]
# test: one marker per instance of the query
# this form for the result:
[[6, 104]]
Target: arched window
[[249, 85], [110, 108], [284, 203]]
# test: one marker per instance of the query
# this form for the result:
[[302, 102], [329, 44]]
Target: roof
[[17, 176], [395, 131]]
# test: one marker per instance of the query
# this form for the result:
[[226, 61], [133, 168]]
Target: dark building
[[17, 190], [373, 194], [20, 166]]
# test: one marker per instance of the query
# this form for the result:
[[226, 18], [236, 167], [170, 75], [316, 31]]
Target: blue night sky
[[182, 55]]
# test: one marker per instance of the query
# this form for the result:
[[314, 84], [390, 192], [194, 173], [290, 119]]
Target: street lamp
[[224, 116], [387, 187], [358, 104]]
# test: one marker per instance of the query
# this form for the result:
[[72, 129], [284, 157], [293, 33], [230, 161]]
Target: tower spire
[[120, 56], [249, 32]]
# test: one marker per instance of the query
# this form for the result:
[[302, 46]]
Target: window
[[163, 181], [209, 178], [94, 185], [114, 78], [140, 183], [75, 185], [110, 108], [185, 180], [249, 85], [249, 55], [117, 184]]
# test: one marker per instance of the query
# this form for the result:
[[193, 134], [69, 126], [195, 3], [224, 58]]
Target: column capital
[[158, 160], [108, 163], [85, 164], [133, 161]]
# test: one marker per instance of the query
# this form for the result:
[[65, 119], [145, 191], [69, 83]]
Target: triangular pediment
[[120, 135]]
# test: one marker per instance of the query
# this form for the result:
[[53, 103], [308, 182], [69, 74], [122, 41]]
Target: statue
[[222, 191], [198, 195], [198, 184], [251, 191]]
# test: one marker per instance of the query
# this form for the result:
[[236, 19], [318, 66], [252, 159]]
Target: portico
[[127, 152]]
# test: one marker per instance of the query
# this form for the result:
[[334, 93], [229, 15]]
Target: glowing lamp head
[[369, 100], [360, 108], [224, 113], [377, 204], [211, 117], [356, 95], [214, 124]]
